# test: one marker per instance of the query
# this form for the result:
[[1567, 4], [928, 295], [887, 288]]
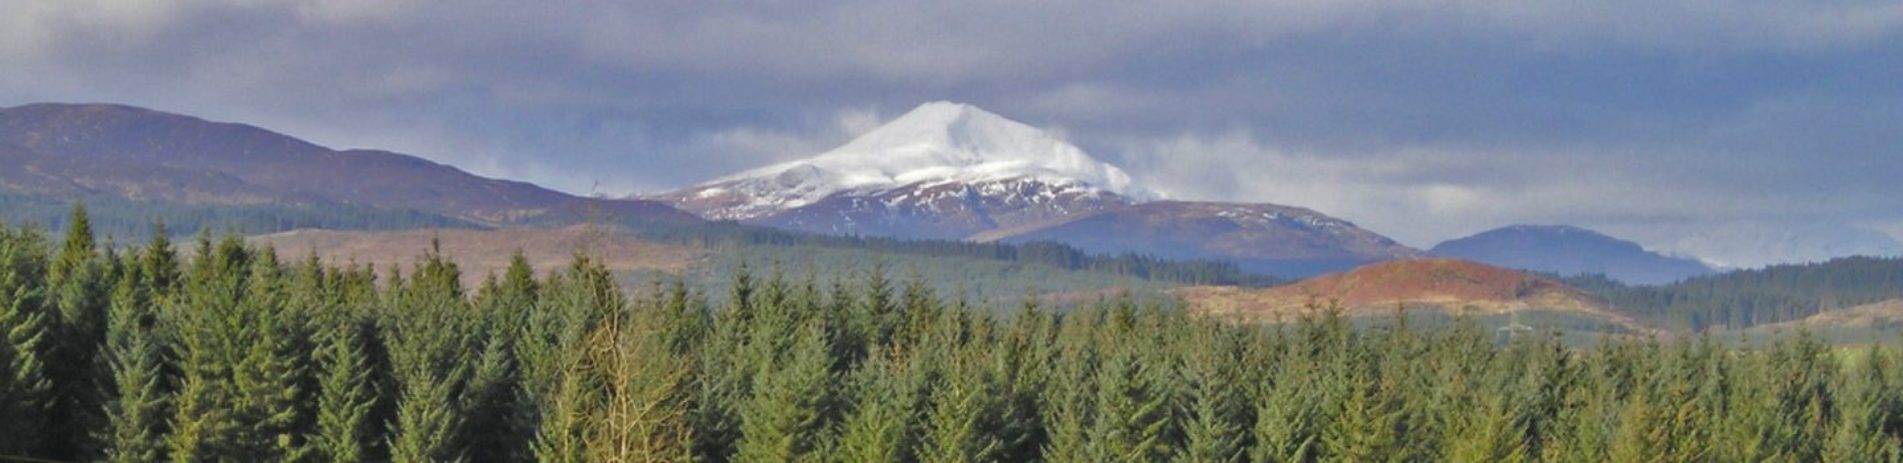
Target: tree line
[[1746, 298], [231, 354], [728, 235]]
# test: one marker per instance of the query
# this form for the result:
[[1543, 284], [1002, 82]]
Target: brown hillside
[[479, 253], [1453, 285], [1876, 315]]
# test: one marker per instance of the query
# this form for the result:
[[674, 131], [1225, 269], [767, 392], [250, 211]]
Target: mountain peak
[[938, 144], [944, 141]]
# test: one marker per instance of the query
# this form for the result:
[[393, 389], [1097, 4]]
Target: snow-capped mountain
[[943, 170], [954, 171]]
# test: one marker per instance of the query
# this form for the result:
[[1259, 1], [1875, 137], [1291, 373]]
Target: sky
[[1744, 132]]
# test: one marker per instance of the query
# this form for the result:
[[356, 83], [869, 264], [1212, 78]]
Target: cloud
[[1424, 120]]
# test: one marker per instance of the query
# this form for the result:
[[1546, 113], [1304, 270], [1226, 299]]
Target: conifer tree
[[881, 424], [1132, 416], [785, 419], [431, 337], [77, 286], [1070, 409], [268, 377], [496, 431], [965, 411], [345, 396], [1872, 414], [210, 327], [137, 407], [1219, 414], [26, 391]]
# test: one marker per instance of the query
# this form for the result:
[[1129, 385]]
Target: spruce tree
[[1872, 414], [211, 332], [882, 423], [78, 289], [1219, 414], [345, 396], [431, 340], [137, 407], [26, 390], [785, 418], [496, 429], [269, 376], [1132, 414]]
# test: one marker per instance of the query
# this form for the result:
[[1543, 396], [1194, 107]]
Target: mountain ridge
[[1569, 251], [954, 171], [143, 154]]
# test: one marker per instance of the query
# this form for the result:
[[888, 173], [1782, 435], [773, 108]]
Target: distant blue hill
[[1568, 251]]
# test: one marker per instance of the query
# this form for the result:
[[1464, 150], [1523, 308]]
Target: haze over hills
[[955, 171], [1568, 251], [135, 154]]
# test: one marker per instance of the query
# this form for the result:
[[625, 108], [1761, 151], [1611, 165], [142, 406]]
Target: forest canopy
[[218, 350]]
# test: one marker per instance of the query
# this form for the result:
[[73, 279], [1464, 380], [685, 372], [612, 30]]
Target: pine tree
[[1872, 414], [497, 431], [431, 337], [1219, 415], [1133, 415], [785, 419], [882, 422], [1071, 400], [345, 396], [965, 407], [137, 408], [269, 375], [211, 328], [78, 289], [26, 391]]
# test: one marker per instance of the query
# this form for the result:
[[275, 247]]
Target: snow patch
[[934, 144]]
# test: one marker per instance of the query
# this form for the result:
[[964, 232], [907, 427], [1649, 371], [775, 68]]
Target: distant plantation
[[231, 354]]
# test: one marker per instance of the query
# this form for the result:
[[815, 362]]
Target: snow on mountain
[[934, 145], [953, 171]]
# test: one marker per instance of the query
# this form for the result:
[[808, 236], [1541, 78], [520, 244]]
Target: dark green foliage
[[1747, 298], [138, 404], [26, 392], [346, 397], [786, 419], [78, 288], [242, 357]]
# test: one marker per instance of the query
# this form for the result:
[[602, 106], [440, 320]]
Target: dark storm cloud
[[1679, 122]]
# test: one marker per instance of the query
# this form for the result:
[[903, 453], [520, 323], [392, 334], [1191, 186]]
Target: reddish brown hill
[[77, 149], [1453, 285]]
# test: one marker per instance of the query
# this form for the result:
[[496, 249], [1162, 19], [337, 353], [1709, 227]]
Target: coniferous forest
[[219, 351]]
